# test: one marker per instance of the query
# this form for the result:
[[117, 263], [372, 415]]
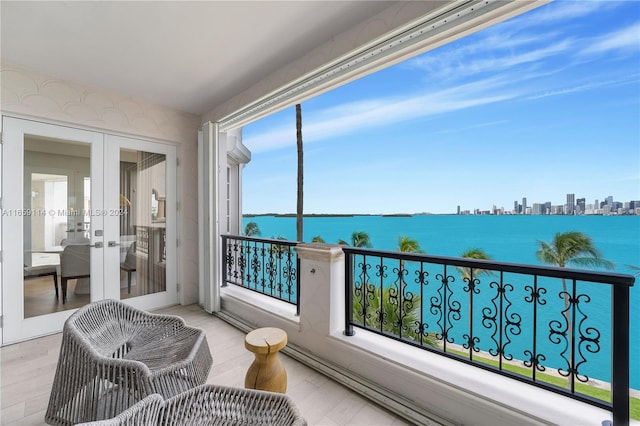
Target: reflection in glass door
[[57, 199], [88, 216], [140, 220], [142, 198], [51, 242]]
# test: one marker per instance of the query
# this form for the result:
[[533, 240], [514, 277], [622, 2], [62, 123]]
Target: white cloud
[[494, 53], [507, 62], [561, 11], [498, 51], [624, 39], [352, 117], [467, 128], [583, 87]]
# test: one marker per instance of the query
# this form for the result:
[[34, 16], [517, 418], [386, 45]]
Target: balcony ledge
[[455, 386], [269, 306], [396, 375]]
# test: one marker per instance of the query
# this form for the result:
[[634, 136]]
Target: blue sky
[[542, 105]]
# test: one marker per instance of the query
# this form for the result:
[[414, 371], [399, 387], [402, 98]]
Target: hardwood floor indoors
[[40, 296], [28, 368]]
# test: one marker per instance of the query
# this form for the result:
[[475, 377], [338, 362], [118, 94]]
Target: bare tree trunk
[[300, 196]]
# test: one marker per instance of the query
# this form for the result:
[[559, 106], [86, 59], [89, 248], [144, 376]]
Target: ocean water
[[504, 238]]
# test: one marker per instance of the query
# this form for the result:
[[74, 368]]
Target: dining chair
[[129, 264], [42, 271], [74, 263]]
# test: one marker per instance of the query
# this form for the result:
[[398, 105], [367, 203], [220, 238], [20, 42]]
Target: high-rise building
[[609, 201], [524, 205], [516, 207], [571, 204], [581, 205]]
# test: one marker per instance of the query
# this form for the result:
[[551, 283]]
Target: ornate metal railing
[[266, 266], [152, 240], [560, 329]]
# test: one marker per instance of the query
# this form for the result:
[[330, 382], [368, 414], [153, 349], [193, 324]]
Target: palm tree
[[251, 229], [636, 269], [409, 245], [317, 239], [389, 311], [469, 273], [571, 248], [300, 195], [360, 239], [405, 319], [278, 249], [474, 253]]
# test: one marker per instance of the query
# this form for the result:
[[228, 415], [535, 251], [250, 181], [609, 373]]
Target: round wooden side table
[[266, 372]]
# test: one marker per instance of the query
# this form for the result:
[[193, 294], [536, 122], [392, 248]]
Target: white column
[[321, 289], [208, 203]]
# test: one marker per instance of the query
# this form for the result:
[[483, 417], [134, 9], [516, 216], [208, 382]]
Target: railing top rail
[[260, 240], [547, 271]]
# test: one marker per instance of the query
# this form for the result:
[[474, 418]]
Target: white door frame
[[15, 327], [112, 221], [105, 261]]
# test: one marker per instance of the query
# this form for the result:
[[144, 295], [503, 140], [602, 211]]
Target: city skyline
[[572, 206], [543, 104], [459, 209]]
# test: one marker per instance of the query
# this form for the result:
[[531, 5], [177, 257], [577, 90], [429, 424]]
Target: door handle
[[113, 244], [96, 245]]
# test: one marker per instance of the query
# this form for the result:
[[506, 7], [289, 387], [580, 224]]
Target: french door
[[85, 216]]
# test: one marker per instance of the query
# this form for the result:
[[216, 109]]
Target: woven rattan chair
[[143, 413], [113, 355], [212, 405]]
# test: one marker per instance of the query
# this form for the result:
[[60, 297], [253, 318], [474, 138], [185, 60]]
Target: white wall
[[29, 94]]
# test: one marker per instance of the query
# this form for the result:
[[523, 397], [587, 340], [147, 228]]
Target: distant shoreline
[[418, 214], [347, 214]]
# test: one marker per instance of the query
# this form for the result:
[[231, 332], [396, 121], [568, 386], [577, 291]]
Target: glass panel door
[[143, 190], [88, 216], [58, 198], [141, 193], [50, 237]]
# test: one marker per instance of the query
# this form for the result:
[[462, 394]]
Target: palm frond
[[634, 268], [474, 253]]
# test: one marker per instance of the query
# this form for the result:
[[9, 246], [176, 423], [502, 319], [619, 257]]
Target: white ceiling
[[186, 55]]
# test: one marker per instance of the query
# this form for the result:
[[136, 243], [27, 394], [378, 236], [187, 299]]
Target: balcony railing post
[[348, 296], [298, 286], [620, 355], [224, 261]]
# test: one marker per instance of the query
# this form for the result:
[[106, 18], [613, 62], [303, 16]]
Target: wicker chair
[[113, 355], [142, 413], [211, 405]]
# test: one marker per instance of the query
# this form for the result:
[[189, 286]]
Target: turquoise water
[[504, 238]]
